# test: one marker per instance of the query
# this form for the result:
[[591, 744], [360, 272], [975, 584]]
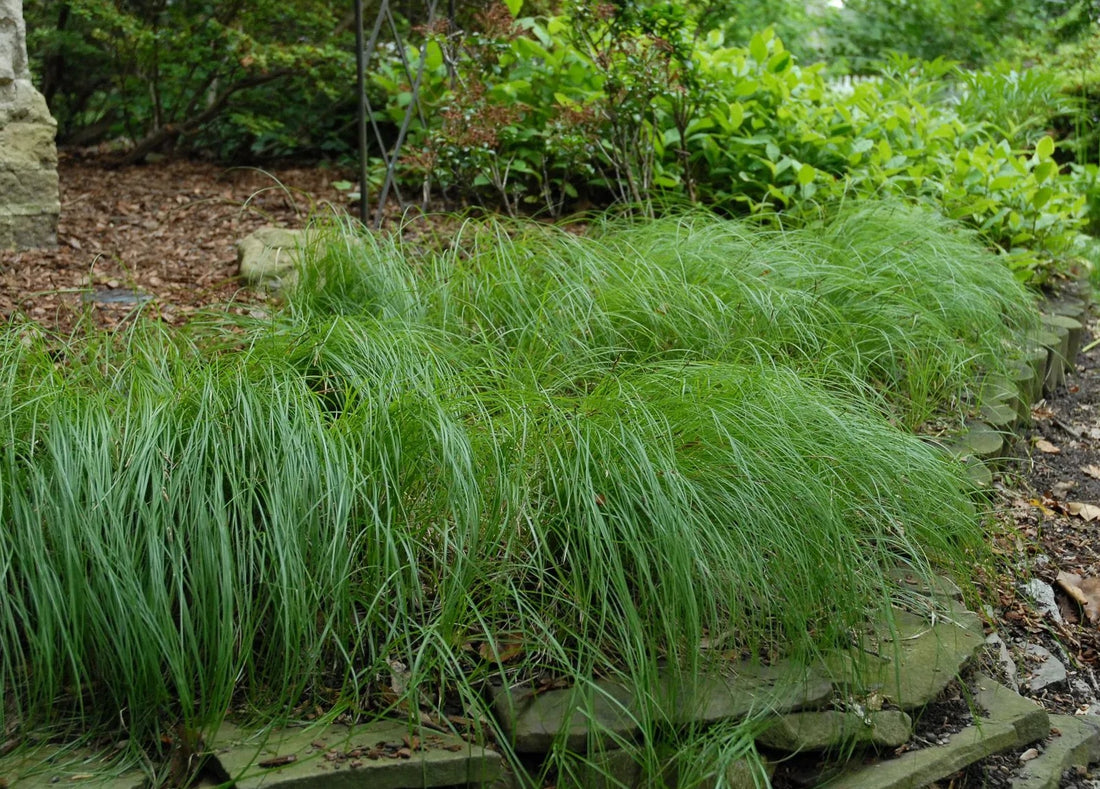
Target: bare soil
[[167, 230]]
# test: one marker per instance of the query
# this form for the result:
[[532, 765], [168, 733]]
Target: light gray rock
[[833, 729], [1004, 660], [1044, 669], [268, 257], [1043, 595], [13, 43], [1011, 722], [358, 757], [29, 196], [1076, 743]]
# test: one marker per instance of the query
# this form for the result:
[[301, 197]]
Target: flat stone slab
[[382, 755], [833, 729], [936, 587], [1044, 669], [1010, 722], [911, 663], [979, 441], [609, 710], [1076, 744], [616, 769], [52, 766]]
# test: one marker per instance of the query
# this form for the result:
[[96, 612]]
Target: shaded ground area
[[1051, 503], [169, 231]]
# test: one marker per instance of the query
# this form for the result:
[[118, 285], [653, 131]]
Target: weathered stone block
[[1011, 721], [910, 661], [21, 103], [26, 146], [382, 755], [29, 204], [13, 42], [835, 730], [1077, 744], [31, 230], [28, 190], [609, 711]]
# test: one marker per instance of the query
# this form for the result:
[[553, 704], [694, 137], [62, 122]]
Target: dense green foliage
[[197, 76], [975, 32], [588, 454], [536, 115]]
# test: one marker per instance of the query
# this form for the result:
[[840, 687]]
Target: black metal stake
[[361, 82]]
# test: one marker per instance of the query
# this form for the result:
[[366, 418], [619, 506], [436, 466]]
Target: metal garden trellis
[[365, 49]]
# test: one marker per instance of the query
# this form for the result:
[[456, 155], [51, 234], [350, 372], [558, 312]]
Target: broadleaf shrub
[[535, 114]]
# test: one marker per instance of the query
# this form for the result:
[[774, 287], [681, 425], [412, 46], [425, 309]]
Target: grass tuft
[[666, 445]]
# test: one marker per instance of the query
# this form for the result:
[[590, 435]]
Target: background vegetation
[[547, 108]]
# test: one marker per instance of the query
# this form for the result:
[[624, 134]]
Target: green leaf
[[513, 7], [806, 174], [737, 115], [1045, 148], [862, 146], [1046, 171], [433, 55], [758, 48]]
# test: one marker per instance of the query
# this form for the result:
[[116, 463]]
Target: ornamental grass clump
[[890, 301], [426, 475]]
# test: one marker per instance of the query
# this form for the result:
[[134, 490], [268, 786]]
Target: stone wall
[[29, 201]]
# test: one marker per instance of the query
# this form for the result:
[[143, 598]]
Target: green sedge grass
[[594, 455]]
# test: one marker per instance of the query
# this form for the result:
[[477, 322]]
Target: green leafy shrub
[[193, 75], [536, 115]]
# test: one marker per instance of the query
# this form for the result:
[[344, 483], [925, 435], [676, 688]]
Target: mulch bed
[[168, 230]]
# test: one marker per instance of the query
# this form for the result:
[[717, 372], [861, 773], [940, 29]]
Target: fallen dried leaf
[[509, 647], [1061, 489], [1092, 471], [1041, 506], [1086, 512], [1085, 591], [1045, 446]]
